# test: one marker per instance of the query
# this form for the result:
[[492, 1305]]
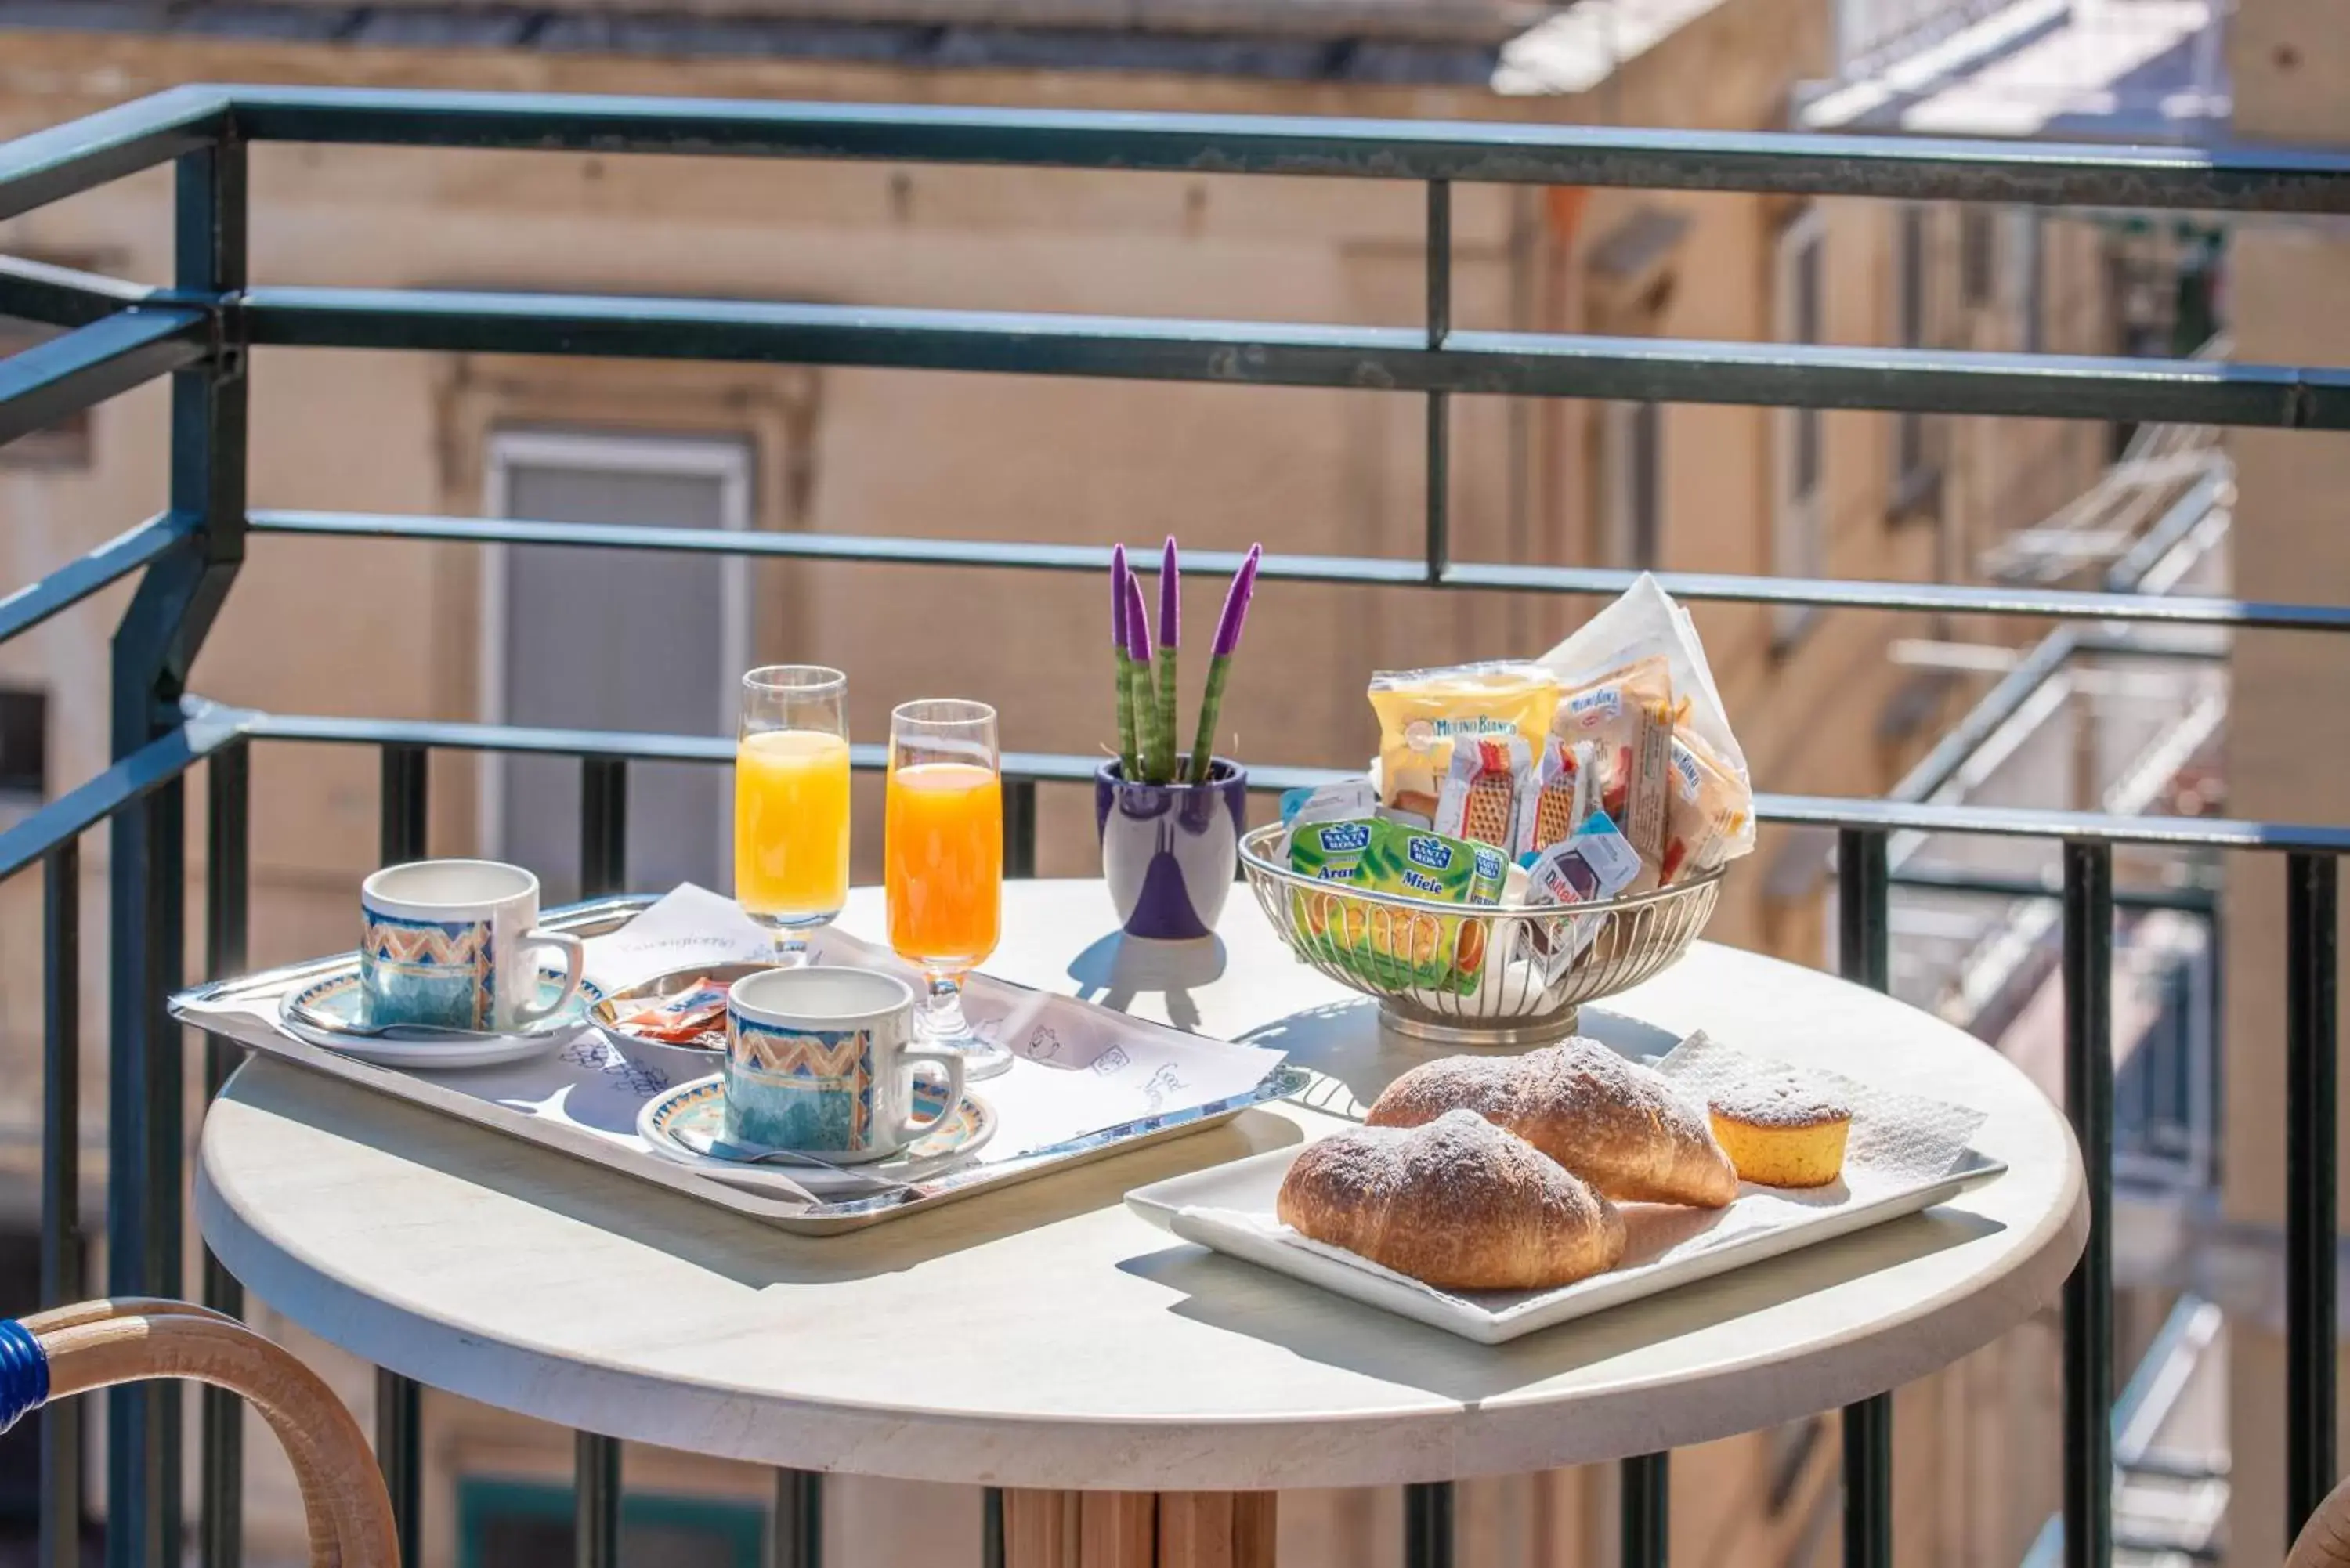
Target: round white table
[[1045, 1338]]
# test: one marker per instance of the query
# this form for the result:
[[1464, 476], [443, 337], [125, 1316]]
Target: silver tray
[[824, 1217]]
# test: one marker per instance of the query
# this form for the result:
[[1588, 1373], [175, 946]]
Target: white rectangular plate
[[1664, 1247]]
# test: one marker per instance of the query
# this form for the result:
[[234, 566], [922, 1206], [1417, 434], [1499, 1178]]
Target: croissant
[[1616, 1124], [1458, 1204]]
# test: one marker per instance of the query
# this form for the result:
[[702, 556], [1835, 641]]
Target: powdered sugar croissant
[[1616, 1124]]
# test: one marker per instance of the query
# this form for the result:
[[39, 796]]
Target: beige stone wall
[[332, 627]]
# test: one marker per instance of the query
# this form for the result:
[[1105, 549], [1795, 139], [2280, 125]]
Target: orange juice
[[791, 825], [945, 862]]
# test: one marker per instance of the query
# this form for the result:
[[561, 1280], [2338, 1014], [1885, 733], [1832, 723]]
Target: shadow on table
[[1241, 1298], [735, 1246], [1117, 969]]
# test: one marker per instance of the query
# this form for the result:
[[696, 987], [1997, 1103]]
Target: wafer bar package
[[1626, 714], [1706, 814], [1478, 800], [1559, 800], [1422, 712]]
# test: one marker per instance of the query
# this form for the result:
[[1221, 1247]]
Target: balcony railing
[[186, 560]]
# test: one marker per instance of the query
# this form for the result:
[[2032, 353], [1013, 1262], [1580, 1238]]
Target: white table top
[[1043, 1337]]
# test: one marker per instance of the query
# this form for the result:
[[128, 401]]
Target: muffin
[[1782, 1130]]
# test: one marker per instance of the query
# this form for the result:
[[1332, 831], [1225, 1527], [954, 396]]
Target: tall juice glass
[[944, 861], [791, 800]]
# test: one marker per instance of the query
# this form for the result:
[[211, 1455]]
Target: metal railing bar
[[1905, 168], [603, 826], [1646, 1507], [1044, 767], [403, 806], [1437, 469], [70, 583], [64, 295], [1019, 826], [596, 1500], [1865, 957], [152, 766], [63, 1279], [61, 378], [64, 160], [2200, 902], [2089, 1306], [795, 1538], [2312, 1048], [1427, 1524], [1596, 582], [1289, 354], [227, 864]]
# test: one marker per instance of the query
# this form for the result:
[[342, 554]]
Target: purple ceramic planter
[[1169, 852]]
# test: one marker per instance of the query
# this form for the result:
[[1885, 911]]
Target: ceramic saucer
[[700, 1106], [338, 996]]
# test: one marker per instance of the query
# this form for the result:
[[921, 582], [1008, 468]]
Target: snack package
[[1346, 800], [1411, 946], [1596, 863], [1422, 711], [1478, 800], [1560, 799], [1706, 813], [1645, 623], [1329, 852], [1626, 715]]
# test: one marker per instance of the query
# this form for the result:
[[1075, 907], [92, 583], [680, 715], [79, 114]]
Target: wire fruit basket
[[1474, 975]]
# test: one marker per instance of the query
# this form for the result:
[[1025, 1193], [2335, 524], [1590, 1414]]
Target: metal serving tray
[[824, 1217]]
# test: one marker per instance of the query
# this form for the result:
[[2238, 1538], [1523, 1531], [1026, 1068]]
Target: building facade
[[560, 637]]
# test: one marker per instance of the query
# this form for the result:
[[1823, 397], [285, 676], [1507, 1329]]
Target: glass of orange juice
[[944, 861], [791, 800]]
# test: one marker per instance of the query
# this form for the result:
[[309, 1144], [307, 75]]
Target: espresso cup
[[449, 943], [822, 1060]]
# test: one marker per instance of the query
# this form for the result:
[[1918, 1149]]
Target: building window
[[1916, 480], [23, 744], [1978, 257], [1634, 464], [537, 671], [1799, 459]]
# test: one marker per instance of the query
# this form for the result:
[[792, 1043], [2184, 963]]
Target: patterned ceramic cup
[[822, 1060], [449, 944]]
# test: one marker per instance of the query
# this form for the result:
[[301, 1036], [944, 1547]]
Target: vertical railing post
[[2088, 1293], [603, 868], [1428, 1525], [2312, 952], [1019, 827], [402, 820], [1863, 954], [603, 826], [1440, 423], [799, 1537], [62, 1492], [155, 647], [1646, 1505], [227, 870], [990, 1527], [596, 1502]]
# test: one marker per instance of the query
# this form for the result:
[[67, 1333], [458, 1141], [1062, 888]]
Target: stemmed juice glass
[[944, 861], [791, 800]]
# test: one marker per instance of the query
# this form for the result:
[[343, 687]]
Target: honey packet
[[1478, 800], [1627, 714], [1708, 810], [1560, 799], [1422, 712], [1412, 947]]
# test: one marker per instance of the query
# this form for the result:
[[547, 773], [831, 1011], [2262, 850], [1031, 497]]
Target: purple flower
[[1138, 622], [1236, 604], [1171, 598], [1117, 577]]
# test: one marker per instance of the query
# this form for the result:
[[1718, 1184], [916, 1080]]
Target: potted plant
[[1169, 820]]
